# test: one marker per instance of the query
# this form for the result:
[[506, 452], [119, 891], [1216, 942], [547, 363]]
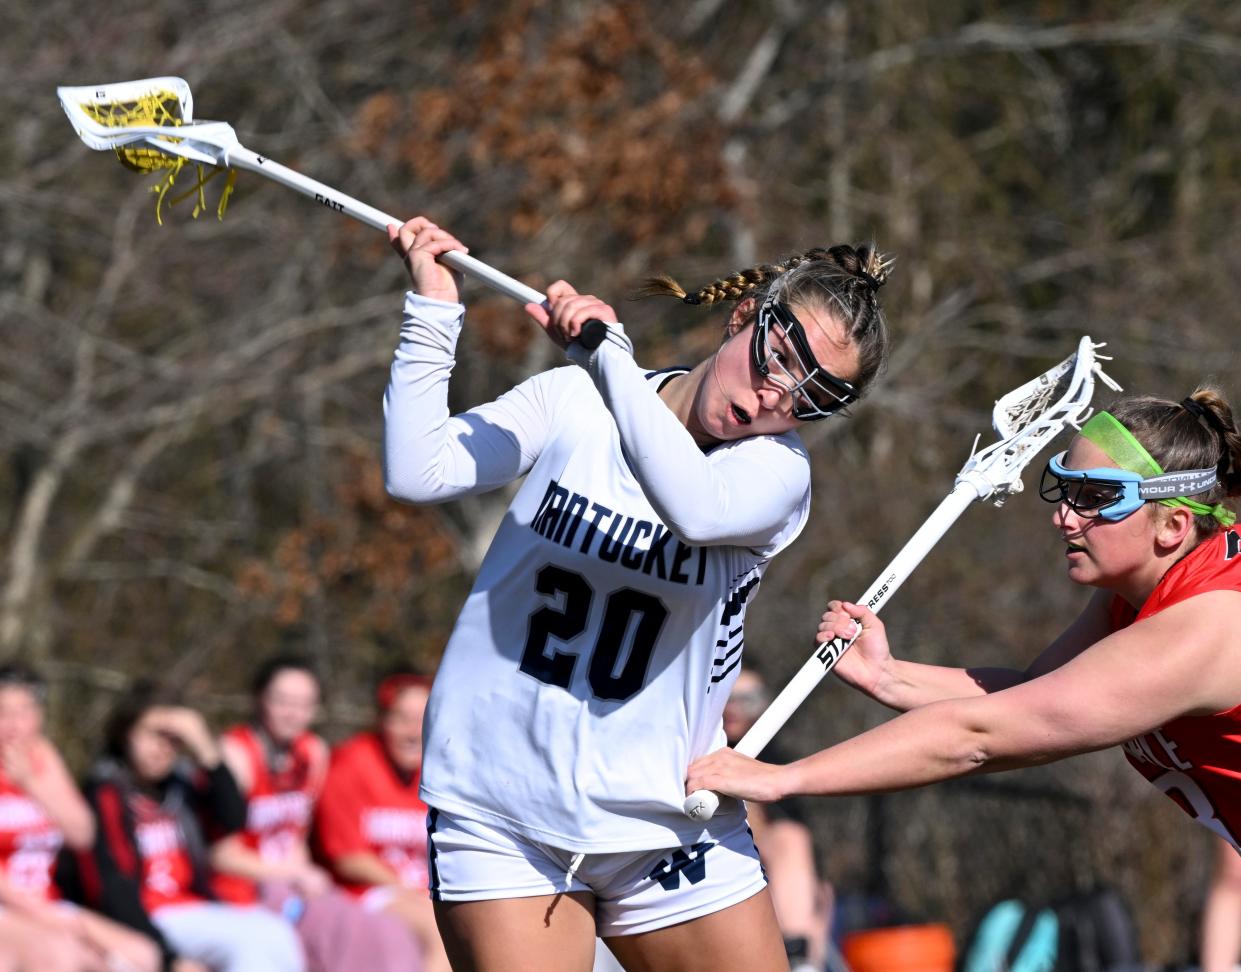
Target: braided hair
[[843, 280]]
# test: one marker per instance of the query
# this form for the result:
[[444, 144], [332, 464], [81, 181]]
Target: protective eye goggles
[[1113, 494], [781, 352]]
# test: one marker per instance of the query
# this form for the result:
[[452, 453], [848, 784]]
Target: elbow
[[218, 856], [416, 483], [695, 532], [223, 854], [399, 490], [405, 488], [973, 750], [976, 759], [989, 750], [692, 538]]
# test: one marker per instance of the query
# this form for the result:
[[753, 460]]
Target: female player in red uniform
[[42, 810], [371, 823], [279, 763], [1153, 662]]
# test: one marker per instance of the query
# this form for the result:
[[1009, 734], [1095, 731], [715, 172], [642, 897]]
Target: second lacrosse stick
[[1026, 419]]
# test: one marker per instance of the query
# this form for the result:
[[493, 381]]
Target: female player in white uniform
[[592, 659]]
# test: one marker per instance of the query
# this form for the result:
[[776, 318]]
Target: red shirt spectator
[[41, 809], [280, 800], [370, 806], [279, 764], [29, 842], [168, 873], [371, 823], [160, 793]]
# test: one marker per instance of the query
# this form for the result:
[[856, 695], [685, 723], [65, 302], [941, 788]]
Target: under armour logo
[[693, 865]]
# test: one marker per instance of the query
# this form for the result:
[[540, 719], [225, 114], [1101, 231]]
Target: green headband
[[1105, 431]]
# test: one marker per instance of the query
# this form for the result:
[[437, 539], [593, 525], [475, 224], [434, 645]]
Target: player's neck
[[680, 394]]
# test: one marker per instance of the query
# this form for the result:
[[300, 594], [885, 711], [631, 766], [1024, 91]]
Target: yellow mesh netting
[[162, 108]]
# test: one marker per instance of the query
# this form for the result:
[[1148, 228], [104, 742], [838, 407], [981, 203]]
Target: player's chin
[[1084, 574]]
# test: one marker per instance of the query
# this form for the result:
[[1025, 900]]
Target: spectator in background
[[42, 810], [1221, 915], [802, 901], [159, 790], [371, 824], [279, 765]]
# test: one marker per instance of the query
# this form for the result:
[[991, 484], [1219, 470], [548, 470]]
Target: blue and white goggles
[[1113, 494]]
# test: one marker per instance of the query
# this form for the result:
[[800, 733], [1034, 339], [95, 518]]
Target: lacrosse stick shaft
[[829, 653], [243, 158], [94, 112], [701, 804], [593, 332], [995, 470]]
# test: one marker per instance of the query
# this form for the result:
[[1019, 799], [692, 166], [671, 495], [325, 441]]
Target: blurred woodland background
[[190, 414]]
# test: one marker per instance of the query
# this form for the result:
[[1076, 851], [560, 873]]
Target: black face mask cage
[[816, 392]]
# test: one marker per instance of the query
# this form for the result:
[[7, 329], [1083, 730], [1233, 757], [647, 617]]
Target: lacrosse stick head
[[1031, 415], [150, 125]]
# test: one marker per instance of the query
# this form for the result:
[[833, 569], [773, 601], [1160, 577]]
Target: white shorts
[[634, 892]]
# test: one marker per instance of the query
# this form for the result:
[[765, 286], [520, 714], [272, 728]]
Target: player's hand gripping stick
[[702, 804]]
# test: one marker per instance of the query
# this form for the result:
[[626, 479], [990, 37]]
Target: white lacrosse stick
[[1026, 420], [150, 123]]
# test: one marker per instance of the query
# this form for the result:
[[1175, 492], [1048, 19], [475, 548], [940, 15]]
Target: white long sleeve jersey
[[593, 656]]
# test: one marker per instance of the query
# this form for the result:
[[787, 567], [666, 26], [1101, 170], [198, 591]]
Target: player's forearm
[[906, 685], [938, 741], [702, 502], [364, 868], [230, 856], [431, 456], [62, 802], [416, 401], [77, 825]]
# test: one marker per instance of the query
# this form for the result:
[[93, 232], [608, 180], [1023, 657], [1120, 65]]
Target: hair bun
[[873, 266]]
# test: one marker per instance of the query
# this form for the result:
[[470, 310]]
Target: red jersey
[[167, 870], [279, 805], [367, 806], [29, 842], [1195, 760]]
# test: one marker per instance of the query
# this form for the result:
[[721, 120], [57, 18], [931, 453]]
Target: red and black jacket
[[205, 804]]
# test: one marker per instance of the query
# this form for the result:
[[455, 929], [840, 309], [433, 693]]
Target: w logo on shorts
[[693, 865]]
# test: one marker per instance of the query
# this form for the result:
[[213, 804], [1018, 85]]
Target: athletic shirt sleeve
[[430, 456], [751, 493]]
